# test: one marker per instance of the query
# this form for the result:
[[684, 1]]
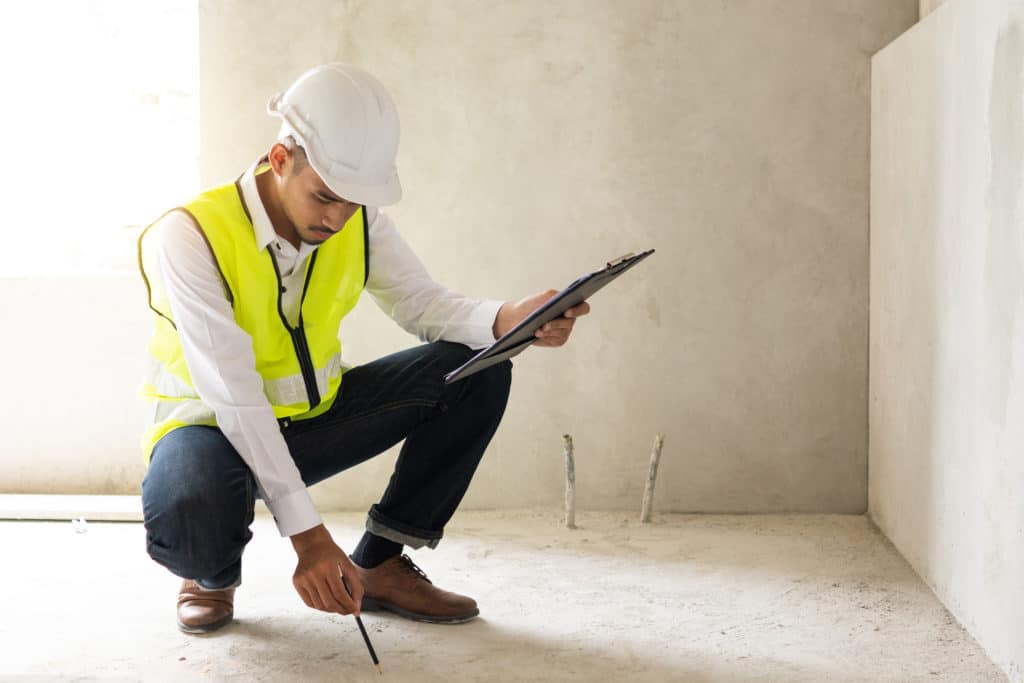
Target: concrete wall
[[929, 6], [541, 139], [71, 364], [947, 312]]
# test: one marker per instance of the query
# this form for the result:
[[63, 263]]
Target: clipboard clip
[[621, 259]]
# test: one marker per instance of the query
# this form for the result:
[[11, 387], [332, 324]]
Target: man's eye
[[322, 199]]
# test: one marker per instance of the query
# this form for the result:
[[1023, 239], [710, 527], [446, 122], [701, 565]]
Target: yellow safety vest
[[301, 366]]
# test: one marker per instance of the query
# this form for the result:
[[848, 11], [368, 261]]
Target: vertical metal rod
[[652, 474], [570, 483]]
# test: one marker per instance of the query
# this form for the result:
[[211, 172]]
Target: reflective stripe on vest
[[186, 411], [300, 367], [283, 391], [288, 390]]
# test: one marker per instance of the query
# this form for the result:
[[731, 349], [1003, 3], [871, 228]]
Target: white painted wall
[[539, 140], [929, 6], [71, 363], [947, 312]]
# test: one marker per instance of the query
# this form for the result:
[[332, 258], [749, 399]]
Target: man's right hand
[[317, 577]]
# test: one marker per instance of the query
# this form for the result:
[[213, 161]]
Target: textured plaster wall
[[947, 312], [929, 6], [541, 139]]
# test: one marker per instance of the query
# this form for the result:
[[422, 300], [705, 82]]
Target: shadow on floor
[[479, 651]]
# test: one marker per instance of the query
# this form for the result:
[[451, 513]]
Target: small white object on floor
[[79, 525]]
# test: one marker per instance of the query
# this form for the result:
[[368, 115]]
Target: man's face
[[315, 211]]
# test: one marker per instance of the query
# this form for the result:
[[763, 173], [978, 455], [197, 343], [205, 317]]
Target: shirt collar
[[261, 225]]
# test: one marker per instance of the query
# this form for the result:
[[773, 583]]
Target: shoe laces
[[410, 566]]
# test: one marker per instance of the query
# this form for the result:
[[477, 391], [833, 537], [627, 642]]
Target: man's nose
[[337, 215]]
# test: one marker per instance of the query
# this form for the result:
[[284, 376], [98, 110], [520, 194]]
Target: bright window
[[100, 124]]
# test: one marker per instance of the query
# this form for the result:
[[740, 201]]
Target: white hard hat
[[348, 125]]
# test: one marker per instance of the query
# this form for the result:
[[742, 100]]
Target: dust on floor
[[686, 598]]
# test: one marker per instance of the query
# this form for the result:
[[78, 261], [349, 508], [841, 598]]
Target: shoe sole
[[372, 605], [206, 628]]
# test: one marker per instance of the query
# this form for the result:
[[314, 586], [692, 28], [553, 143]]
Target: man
[[249, 283]]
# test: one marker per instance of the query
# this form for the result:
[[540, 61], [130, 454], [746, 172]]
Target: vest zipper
[[298, 334]]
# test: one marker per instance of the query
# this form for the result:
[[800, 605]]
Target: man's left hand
[[553, 333]]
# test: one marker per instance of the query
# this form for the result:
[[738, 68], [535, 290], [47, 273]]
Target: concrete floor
[[688, 598]]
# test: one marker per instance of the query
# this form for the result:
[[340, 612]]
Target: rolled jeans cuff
[[379, 524]]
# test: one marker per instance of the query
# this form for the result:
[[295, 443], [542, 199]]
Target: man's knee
[[197, 505], [187, 479], [491, 386], [493, 381], [499, 379], [193, 533], [450, 355], [195, 540]]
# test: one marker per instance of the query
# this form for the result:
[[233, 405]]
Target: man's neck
[[278, 220]]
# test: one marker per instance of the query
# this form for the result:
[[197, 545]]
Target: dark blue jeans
[[198, 495]]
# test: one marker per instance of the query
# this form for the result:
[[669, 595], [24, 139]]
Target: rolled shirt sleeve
[[401, 286]]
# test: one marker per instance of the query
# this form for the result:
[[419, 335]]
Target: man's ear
[[280, 159]]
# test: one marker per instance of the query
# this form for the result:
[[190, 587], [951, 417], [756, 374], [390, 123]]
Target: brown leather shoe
[[203, 611], [398, 585]]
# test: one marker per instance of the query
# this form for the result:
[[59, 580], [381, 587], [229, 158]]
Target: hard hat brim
[[368, 195]]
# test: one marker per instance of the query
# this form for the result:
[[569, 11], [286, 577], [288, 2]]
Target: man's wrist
[[305, 539]]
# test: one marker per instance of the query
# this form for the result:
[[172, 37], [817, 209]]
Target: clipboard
[[520, 337]]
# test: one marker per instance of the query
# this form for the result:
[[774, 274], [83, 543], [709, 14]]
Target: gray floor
[[688, 598]]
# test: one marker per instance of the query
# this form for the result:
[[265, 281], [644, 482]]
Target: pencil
[[366, 638], [373, 655]]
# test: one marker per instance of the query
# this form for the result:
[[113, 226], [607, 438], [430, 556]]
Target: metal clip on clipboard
[[621, 259]]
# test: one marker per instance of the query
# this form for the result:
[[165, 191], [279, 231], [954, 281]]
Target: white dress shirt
[[220, 355]]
